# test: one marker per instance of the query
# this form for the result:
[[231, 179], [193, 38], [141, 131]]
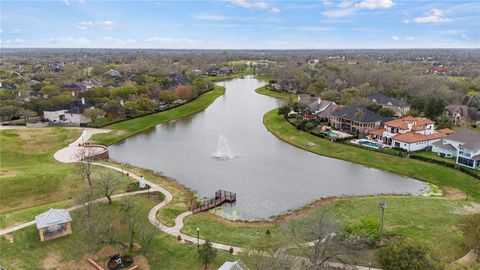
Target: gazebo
[[54, 223]]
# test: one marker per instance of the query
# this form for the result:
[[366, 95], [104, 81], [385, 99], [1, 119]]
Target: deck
[[221, 197]]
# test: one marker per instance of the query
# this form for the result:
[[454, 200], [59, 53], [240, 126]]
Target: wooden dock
[[221, 197]]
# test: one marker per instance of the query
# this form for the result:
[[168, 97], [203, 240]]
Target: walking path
[[73, 152]]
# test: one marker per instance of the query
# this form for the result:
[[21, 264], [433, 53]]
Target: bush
[[135, 186], [367, 230], [470, 227], [404, 254]]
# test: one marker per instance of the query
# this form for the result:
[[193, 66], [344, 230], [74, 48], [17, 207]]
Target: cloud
[[274, 10], [66, 2], [328, 3], [455, 33], [345, 4], [1, 30], [348, 8], [432, 16], [105, 25], [410, 38], [254, 5], [209, 17], [81, 1], [69, 41], [396, 38], [375, 4], [167, 40], [339, 13]]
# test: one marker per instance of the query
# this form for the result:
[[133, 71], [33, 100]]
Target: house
[[316, 107], [53, 223], [437, 69], [214, 71], [355, 119], [56, 66], [113, 73], [32, 82], [464, 145], [409, 133], [394, 104], [177, 79], [285, 86], [236, 265], [468, 112], [75, 87], [91, 83], [71, 116]]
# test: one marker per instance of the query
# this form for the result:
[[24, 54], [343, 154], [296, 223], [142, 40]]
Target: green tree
[[386, 112], [405, 254], [144, 105], [10, 112], [113, 107], [167, 96], [93, 114], [206, 253], [444, 121]]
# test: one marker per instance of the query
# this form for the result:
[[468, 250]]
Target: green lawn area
[[282, 95], [421, 218], [30, 176], [71, 252], [429, 172], [32, 181], [229, 77], [125, 129]]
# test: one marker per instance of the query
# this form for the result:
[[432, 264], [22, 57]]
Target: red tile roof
[[378, 132], [402, 123]]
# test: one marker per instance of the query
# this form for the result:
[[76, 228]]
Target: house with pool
[[464, 145], [355, 120], [409, 133]]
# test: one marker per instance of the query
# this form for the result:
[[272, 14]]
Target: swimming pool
[[370, 144], [332, 134]]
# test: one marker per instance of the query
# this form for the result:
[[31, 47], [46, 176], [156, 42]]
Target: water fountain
[[223, 150]]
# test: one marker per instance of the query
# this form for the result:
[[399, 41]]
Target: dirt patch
[[7, 174], [52, 261], [9, 238], [453, 193], [142, 262], [473, 208]]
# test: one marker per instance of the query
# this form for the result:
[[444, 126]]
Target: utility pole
[[382, 206]]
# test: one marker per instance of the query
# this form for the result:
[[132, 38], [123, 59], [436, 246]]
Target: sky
[[240, 24]]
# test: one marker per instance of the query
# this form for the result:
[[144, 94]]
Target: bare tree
[[147, 234], [109, 182], [132, 218], [85, 167]]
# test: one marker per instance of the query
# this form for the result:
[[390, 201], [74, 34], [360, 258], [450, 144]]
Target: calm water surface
[[269, 176]]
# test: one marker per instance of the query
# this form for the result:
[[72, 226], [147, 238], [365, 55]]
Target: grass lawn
[[433, 173], [32, 181], [424, 219], [71, 252], [229, 77], [123, 130], [264, 91], [30, 176]]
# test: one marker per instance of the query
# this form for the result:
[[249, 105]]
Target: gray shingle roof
[[52, 217], [470, 138], [385, 100], [359, 114]]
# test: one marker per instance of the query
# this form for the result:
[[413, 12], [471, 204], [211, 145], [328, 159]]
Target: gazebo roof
[[52, 217]]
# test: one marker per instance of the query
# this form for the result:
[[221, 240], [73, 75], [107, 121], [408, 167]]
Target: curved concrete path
[[73, 153]]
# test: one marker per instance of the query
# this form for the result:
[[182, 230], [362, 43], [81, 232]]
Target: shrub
[[135, 186], [470, 227], [404, 254], [367, 230]]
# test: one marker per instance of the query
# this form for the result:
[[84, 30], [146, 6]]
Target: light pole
[[382, 206], [198, 237]]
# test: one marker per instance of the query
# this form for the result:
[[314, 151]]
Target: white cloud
[[274, 10], [328, 3], [81, 1], [345, 4], [410, 38], [1, 30], [395, 38], [399, 38], [375, 4], [338, 13], [432, 16], [66, 2], [455, 33], [69, 41], [209, 17], [167, 40], [105, 25], [254, 5]]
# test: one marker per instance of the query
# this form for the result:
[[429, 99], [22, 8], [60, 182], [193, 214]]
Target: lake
[[269, 176]]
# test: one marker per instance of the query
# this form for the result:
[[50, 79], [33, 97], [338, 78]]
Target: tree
[[113, 107], [93, 114], [146, 237], [405, 254], [132, 218], [144, 105], [471, 231], [109, 182], [167, 96], [444, 121], [183, 92], [9, 112], [206, 253], [386, 112]]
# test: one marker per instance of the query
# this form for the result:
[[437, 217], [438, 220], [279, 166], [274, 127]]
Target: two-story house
[[355, 119], [409, 133], [464, 145]]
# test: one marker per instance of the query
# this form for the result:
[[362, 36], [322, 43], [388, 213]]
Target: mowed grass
[[30, 175], [71, 252], [430, 220], [32, 181], [125, 129], [433, 173], [264, 91]]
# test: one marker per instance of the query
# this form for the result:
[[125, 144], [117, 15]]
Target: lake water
[[269, 176]]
